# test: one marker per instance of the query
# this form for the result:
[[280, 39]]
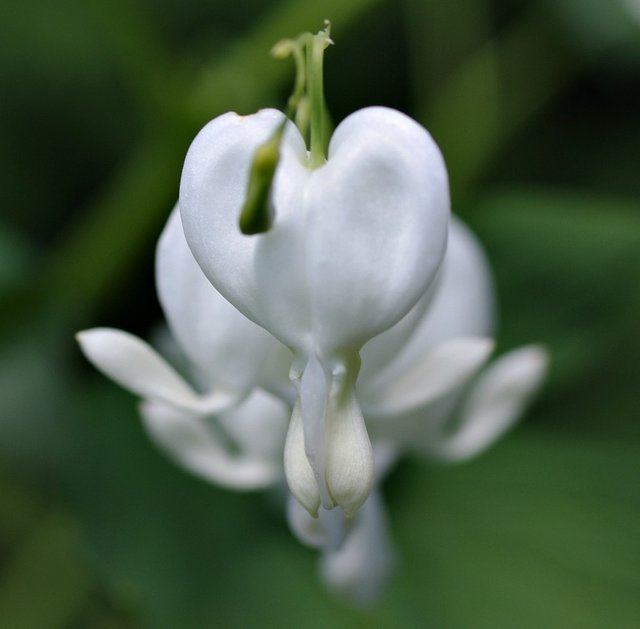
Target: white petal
[[439, 371], [360, 568], [336, 443], [261, 275], [461, 307], [258, 425], [136, 366], [382, 349], [385, 455], [495, 402], [377, 216], [349, 468], [355, 243], [299, 474], [193, 444], [233, 352]]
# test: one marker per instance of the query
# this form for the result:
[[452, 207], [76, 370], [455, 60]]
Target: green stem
[[315, 56]]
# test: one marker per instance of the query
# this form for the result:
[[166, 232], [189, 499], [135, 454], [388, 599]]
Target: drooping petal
[[137, 367], [441, 370], [336, 443], [360, 568], [464, 301], [349, 467], [263, 276], [381, 350], [461, 307], [377, 215], [233, 353], [194, 445], [494, 403]]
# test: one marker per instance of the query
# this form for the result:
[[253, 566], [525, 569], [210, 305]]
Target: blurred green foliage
[[534, 105]]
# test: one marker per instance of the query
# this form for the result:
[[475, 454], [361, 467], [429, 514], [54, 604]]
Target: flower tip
[[350, 469], [352, 493], [535, 360], [528, 366], [92, 339]]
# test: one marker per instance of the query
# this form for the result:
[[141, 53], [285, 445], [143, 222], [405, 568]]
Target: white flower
[[354, 281], [354, 245]]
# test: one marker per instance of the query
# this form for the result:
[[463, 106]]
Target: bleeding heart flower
[[355, 243]]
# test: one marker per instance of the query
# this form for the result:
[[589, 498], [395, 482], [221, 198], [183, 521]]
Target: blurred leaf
[[495, 93], [601, 26], [566, 265], [538, 533], [439, 40], [45, 583], [18, 510], [16, 259], [34, 391]]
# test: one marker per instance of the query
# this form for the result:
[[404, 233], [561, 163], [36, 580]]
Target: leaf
[[566, 266], [539, 533], [45, 583]]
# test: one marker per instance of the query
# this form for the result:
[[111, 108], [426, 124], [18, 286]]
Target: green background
[[535, 106]]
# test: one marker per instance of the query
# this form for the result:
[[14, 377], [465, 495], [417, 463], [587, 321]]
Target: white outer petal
[[137, 367], [377, 217], [442, 369], [461, 307], [493, 405], [232, 352], [187, 439], [382, 349], [464, 301], [261, 275], [355, 243]]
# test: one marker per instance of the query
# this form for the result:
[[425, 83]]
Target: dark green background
[[535, 106]]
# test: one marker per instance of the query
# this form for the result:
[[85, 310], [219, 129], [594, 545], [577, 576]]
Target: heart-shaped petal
[[355, 242]]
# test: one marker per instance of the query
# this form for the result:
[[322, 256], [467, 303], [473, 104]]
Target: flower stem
[[315, 57]]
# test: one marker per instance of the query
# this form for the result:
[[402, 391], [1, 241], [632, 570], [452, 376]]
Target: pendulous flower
[[355, 243], [317, 297]]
